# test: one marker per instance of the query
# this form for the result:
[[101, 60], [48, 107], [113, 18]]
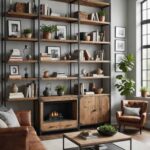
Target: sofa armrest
[[24, 118], [143, 118], [14, 138]]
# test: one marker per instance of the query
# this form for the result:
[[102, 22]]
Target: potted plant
[[144, 91], [125, 85], [28, 33], [102, 15], [60, 89], [48, 30]]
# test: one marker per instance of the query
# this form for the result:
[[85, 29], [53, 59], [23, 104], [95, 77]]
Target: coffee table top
[[75, 138]]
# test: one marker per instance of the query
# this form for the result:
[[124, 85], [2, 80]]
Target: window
[[145, 34]]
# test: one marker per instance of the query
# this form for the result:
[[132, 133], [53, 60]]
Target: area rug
[[56, 144]]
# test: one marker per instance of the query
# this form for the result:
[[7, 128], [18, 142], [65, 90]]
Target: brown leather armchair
[[134, 121], [20, 138]]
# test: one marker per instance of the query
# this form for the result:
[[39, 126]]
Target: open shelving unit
[[78, 105]]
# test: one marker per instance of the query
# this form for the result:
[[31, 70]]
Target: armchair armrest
[[14, 138], [118, 114], [24, 118], [143, 118]]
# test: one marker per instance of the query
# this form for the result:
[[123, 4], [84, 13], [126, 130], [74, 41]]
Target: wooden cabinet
[[94, 109]]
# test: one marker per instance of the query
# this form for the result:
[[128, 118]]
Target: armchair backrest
[[136, 104]]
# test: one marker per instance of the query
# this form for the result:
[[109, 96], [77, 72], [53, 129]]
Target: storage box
[[82, 15]]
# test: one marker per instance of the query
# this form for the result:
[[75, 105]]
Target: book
[[14, 76], [16, 95], [96, 16]]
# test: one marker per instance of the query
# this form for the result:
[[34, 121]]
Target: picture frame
[[14, 69], [54, 52], [14, 28], [120, 32], [120, 45], [118, 58], [61, 32]]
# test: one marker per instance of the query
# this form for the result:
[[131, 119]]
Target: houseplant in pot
[[48, 30], [144, 91], [102, 15], [27, 33], [60, 90], [126, 85]]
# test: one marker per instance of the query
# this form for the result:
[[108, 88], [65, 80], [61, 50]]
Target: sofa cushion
[[3, 124], [130, 119], [9, 118], [130, 111]]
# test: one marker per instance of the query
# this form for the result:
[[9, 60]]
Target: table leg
[[130, 144], [63, 142]]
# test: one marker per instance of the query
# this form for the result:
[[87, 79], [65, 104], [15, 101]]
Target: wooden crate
[[82, 15]]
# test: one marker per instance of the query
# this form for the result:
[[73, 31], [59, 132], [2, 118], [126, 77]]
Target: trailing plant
[[27, 31], [60, 88], [125, 85], [48, 28]]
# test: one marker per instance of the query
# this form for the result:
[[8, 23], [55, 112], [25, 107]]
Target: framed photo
[[120, 45], [120, 32], [118, 58], [61, 32], [54, 52], [14, 28], [14, 70]]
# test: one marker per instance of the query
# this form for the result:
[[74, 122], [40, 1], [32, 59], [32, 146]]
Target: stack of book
[[59, 75], [12, 76], [30, 90], [15, 55], [16, 95]]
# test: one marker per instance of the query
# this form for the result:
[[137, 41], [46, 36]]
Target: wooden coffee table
[[82, 143]]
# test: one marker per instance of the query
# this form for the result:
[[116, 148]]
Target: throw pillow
[[130, 111], [3, 124], [9, 118], [3, 108]]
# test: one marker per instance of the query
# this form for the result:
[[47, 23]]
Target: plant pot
[[60, 93], [47, 35], [102, 18], [29, 35], [144, 94]]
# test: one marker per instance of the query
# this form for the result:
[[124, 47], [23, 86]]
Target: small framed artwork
[[61, 33], [118, 58], [14, 70], [54, 52], [120, 32], [120, 45], [14, 28]]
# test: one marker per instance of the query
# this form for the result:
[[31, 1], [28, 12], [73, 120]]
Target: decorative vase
[[14, 88], [46, 92], [60, 93], [45, 75], [47, 35], [29, 35]]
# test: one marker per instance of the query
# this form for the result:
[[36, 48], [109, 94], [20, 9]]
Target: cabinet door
[[88, 114]]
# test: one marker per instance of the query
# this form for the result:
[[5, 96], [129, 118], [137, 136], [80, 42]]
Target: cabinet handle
[[93, 110]]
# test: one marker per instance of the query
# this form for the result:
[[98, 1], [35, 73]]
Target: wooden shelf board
[[57, 18], [94, 61], [97, 95], [22, 78], [21, 15], [93, 42], [54, 78], [59, 61], [102, 77], [24, 61], [90, 22], [22, 99], [21, 39], [59, 41], [59, 98]]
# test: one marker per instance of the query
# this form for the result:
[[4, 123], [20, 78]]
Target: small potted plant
[[102, 15], [28, 33], [60, 89], [143, 91], [48, 30]]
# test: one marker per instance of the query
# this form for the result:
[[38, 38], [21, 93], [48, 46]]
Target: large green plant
[[125, 85]]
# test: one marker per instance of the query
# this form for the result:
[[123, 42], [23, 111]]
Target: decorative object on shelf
[[120, 32], [26, 73], [88, 38], [83, 36], [118, 58], [55, 116], [15, 55], [10, 6], [48, 30], [120, 45], [94, 17], [14, 70], [34, 8], [25, 53], [60, 90], [20, 7], [31, 90], [14, 28], [92, 87], [102, 36], [99, 55], [27, 33], [84, 72], [125, 85], [99, 90], [54, 52], [102, 15], [86, 55], [81, 15], [45, 74], [99, 71], [61, 32], [46, 92], [144, 91], [14, 88], [106, 130]]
